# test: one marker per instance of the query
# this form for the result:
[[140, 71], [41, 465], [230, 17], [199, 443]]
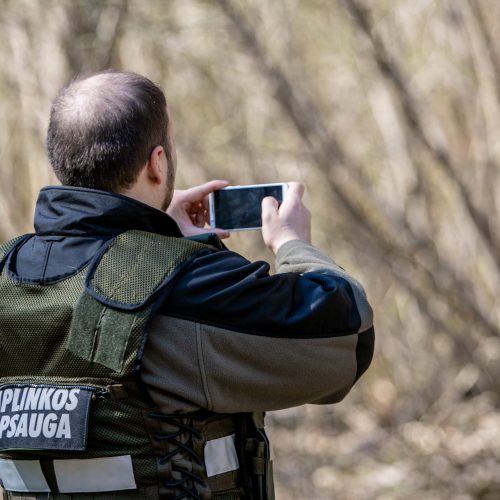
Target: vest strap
[[6, 247], [224, 485]]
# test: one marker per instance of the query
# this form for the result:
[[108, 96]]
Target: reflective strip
[[23, 475], [220, 455], [95, 475]]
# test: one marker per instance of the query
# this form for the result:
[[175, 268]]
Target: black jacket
[[230, 337]]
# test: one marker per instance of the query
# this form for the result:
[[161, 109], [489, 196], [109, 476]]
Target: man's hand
[[290, 221], [189, 208]]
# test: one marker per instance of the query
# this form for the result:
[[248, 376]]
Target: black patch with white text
[[44, 417]]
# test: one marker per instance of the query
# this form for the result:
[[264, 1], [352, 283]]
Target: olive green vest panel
[[90, 330]]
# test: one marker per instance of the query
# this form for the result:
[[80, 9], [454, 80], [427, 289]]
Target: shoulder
[[222, 266], [225, 290]]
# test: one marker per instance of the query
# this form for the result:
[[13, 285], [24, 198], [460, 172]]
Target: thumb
[[294, 194], [269, 208]]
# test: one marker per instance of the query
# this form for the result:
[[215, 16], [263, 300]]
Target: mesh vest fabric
[[90, 329], [36, 326]]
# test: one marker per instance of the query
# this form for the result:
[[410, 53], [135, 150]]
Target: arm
[[237, 339], [232, 338], [297, 256]]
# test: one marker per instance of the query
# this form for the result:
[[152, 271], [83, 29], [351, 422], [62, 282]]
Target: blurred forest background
[[389, 112]]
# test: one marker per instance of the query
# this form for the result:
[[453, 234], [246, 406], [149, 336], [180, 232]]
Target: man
[[137, 363]]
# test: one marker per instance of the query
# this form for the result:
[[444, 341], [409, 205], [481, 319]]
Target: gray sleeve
[[297, 256], [188, 366]]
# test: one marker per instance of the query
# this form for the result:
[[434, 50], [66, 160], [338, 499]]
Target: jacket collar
[[76, 211]]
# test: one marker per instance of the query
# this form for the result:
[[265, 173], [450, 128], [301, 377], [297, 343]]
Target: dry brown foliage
[[389, 112]]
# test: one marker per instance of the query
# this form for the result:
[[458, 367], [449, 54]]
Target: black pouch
[[257, 461]]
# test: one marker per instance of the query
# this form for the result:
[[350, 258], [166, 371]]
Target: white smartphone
[[238, 208]]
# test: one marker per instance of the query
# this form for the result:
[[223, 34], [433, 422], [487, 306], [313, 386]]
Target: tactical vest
[[75, 417]]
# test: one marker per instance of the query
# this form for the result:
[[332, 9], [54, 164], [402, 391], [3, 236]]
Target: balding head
[[104, 127]]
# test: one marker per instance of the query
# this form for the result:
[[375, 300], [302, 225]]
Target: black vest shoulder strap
[[8, 246]]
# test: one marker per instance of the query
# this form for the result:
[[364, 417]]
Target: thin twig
[[391, 70]]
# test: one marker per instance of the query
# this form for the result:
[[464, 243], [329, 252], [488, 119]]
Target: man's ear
[[156, 167]]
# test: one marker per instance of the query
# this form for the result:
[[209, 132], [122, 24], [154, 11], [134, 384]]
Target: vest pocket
[[258, 465]]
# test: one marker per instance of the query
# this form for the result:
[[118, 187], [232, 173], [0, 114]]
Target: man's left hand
[[189, 208]]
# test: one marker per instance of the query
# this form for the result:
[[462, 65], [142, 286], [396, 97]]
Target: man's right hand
[[290, 221], [189, 208]]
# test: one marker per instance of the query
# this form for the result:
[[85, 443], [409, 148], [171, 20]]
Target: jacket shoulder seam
[[232, 328]]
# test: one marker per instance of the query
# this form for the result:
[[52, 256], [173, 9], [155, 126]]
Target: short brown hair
[[103, 127]]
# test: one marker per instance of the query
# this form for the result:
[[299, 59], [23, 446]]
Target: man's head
[[105, 129]]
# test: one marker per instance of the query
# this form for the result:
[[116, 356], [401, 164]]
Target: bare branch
[[394, 238], [417, 122]]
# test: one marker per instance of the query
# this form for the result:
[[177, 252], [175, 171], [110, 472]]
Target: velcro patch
[[44, 417]]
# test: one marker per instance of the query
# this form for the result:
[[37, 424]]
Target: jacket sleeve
[[299, 257], [232, 338]]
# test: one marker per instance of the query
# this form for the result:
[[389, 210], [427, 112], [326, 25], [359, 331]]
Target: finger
[[200, 219], [295, 189], [293, 195], [221, 233], [191, 230], [198, 193], [207, 216], [269, 207], [205, 203]]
